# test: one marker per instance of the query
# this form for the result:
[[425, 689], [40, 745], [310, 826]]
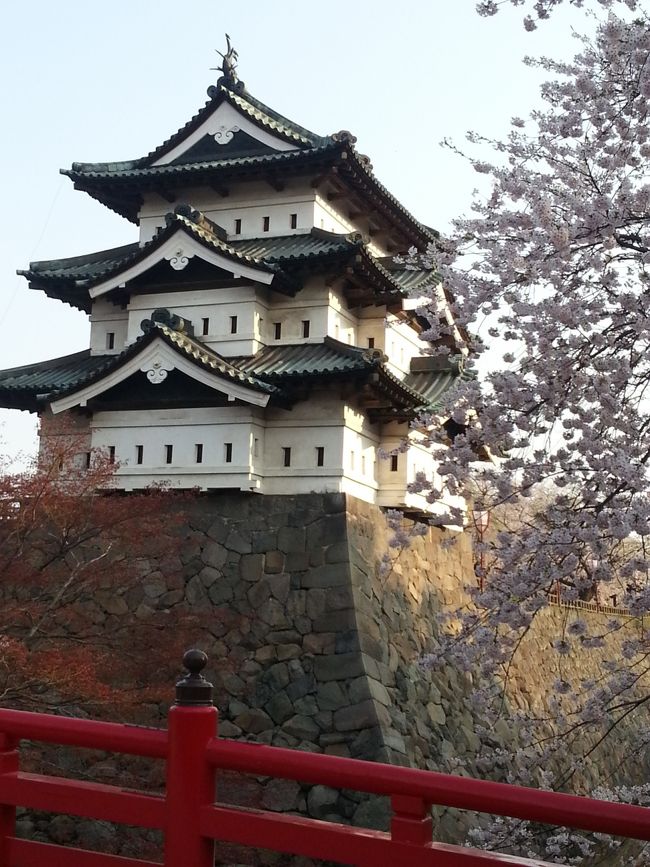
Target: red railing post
[[411, 821], [190, 778], [8, 765]]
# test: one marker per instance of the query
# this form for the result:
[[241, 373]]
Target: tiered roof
[[120, 185], [282, 372], [284, 258]]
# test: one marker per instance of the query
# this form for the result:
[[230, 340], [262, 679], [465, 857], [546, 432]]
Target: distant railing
[[192, 821], [556, 599]]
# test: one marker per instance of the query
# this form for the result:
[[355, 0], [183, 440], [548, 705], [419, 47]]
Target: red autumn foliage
[[70, 548]]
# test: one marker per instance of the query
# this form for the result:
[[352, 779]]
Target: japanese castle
[[259, 334]]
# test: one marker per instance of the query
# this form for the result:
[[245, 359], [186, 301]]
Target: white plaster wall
[[249, 202], [106, 318], [360, 441], [183, 429], [341, 322], [217, 305], [401, 345], [309, 304], [372, 324]]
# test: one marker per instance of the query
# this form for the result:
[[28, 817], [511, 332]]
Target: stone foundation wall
[[314, 646]]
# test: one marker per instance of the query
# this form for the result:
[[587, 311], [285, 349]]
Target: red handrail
[[192, 821]]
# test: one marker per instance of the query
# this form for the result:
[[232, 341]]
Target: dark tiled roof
[[257, 111], [308, 359], [291, 247], [69, 279], [129, 170], [19, 386]]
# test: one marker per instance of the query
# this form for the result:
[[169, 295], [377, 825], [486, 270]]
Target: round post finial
[[193, 689]]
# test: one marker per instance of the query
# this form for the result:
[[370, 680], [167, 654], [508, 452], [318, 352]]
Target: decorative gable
[[226, 132]]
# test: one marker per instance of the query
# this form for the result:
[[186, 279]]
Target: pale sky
[[84, 81]]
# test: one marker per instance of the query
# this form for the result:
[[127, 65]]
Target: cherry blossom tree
[[553, 265], [542, 8]]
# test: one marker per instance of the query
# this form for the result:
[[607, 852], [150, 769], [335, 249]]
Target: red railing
[[191, 820]]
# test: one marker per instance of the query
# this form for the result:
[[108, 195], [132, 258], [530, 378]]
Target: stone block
[[220, 592], [253, 721], [328, 575], [357, 716], [280, 586], [277, 676], [321, 801], [338, 552], [265, 654], [235, 541], [338, 666], [347, 641], [291, 539], [302, 727], [263, 540], [283, 636], [316, 601], [327, 531], [209, 575], [367, 687], [272, 612], [218, 530], [340, 598], [281, 795], [330, 696], [436, 714], [170, 599], [279, 707], [273, 562], [335, 621], [297, 561], [259, 593], [301, 686], [214, 554], [322, 642], [251, 567], [288, 651]]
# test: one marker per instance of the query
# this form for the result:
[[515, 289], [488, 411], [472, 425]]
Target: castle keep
[[259, 335]]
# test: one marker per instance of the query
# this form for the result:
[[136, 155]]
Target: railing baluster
[[9, 763], [190, 778], [411, 821]]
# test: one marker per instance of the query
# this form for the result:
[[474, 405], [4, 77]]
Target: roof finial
[[229, 79]]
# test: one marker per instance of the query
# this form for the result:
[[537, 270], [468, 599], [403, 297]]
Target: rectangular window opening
[[110, 340], [233, 325], [352, 459], [393, 463], [286, 456], [169, 454], [111, 454], [371, 343], [87, 459], [139, 454], [363, 465], [198, 453], [293, 218], [320, 456], [306, 325], [256, 448], [237, 227], [227, 449], [266, 223], [277, 330], [205, 326]]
